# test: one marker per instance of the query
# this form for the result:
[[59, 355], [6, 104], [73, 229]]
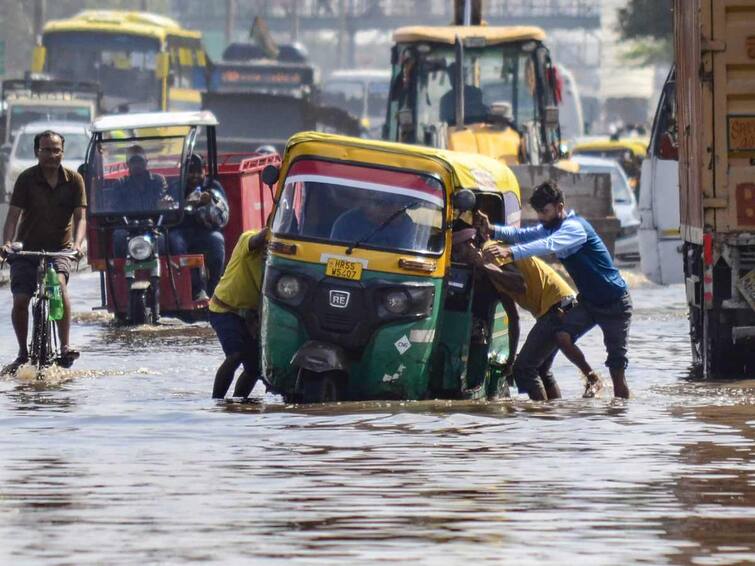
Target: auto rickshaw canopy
[[481, 34], [456, 170], [153, 120]]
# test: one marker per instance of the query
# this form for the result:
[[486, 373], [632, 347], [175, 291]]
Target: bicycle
[[43, 347]]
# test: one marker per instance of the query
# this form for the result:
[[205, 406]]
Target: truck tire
[[719, 359], [696, 335]]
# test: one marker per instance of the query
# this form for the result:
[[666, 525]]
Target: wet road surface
[[126, 460]]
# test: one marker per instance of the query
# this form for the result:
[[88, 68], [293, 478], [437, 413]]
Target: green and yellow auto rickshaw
[[361, 298]]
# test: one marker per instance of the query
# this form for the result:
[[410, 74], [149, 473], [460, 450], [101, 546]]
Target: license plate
[[344, 269], [746, 286]]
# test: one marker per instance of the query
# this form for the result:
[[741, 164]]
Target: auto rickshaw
[[629, 152], [361, 298], [129, 223]]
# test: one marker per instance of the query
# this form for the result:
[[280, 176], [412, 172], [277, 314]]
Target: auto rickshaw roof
[[637, 146], [153, 120], [447, 34], [464, 170]]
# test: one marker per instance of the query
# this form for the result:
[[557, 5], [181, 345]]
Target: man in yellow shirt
[[233, 314]]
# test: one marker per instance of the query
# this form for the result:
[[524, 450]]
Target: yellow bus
[[143, 62]]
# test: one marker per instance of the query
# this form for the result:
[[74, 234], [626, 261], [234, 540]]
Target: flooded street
[[127, 460]]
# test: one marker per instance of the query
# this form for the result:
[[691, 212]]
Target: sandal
[[11, 368], [67, 357], [593, 385]]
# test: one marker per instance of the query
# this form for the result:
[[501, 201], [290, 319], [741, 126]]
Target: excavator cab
[[478, 89]]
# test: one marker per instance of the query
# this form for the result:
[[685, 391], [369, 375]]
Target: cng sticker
[[403, 344]]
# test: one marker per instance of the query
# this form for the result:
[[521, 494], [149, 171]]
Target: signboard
[[741, 133]]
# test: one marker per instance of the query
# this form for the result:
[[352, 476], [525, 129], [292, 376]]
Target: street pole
[[40, 9], [144, 6], [295, 21], [230, 19], [342, 33]]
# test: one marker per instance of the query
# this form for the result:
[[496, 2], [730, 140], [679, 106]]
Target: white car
[[21, 155], [624, 204]]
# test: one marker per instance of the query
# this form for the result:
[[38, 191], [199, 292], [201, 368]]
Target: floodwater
[[126, 460]]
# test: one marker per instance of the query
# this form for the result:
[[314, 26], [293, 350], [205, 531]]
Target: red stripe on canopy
[[400, 179]]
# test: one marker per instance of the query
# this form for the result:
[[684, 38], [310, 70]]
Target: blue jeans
[[211, 243], [235, 339]]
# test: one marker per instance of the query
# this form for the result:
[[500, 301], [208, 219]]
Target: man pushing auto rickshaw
[[603, 298], [234, 314]]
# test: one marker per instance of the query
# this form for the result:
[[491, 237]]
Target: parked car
[[21, 155], [624, 204]]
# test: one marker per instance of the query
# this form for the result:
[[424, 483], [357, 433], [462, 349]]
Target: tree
[[646, 19], [649, 25]]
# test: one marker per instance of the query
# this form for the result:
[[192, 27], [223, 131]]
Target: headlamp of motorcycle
[[140, 248]]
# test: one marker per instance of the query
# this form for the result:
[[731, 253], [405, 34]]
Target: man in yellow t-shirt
[[547, 297], [233, 314]]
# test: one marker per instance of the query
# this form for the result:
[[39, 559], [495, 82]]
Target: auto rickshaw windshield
[[357, 204], [135, 177]]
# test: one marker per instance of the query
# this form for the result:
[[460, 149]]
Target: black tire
[[41, 346], [696, 335], [155, 300], [719, 357], [138, 307], [321, 387]]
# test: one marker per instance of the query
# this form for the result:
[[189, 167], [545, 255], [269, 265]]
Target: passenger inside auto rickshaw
[[377, 219], [206, 213]]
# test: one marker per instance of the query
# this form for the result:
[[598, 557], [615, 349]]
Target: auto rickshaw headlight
[[397, 302], [288, 287], [140, 248]]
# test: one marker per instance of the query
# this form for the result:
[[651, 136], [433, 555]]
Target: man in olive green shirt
[[50, 202]]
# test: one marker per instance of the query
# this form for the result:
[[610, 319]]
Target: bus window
[[124, 65]]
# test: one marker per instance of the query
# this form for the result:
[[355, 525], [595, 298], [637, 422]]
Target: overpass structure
[[301, 16]]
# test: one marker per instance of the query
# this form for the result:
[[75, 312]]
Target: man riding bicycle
[[50, 202]]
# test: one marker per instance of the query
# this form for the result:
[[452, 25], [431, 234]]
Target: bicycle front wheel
[[41, 337]]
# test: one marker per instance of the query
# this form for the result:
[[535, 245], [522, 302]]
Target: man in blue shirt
[[603, 294]]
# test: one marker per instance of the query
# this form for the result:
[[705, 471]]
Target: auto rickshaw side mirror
[[270, 176], [464, 200]]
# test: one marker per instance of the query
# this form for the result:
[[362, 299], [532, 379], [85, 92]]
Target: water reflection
[[129, 461]]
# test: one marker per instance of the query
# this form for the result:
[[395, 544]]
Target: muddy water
[[128, 461]]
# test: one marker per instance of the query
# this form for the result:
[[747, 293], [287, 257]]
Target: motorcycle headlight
[[140, 248], [288, 287], [397, 302]]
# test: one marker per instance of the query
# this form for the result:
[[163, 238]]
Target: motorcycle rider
[[206, 214]]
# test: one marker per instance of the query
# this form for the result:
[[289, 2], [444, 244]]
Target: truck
[[715, 98], [262, 93], [38, 98]]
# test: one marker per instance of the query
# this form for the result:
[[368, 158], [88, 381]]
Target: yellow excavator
[[494, 91], [470, 87]]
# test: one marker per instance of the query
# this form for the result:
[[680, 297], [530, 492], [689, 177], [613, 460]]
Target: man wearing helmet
[[205, 215]]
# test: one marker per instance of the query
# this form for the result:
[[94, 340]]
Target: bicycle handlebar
[[69, 254]]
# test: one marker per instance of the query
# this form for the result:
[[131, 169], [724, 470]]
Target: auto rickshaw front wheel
[[138, 306], [326, 387]]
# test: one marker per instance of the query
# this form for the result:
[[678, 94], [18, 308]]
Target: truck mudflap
[[588, 194]]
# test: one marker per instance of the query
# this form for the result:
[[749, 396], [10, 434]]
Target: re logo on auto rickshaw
[[339, 299]]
